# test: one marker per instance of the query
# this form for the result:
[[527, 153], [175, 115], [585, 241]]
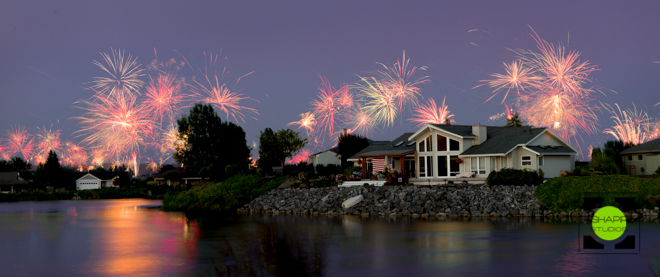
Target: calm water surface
[[131, 238]]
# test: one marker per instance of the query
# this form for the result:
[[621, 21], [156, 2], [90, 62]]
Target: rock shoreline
[[414, 201]]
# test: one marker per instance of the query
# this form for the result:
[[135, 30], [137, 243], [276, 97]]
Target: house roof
[[334, 150], [550, 150], [398, 146], [101, 175], [649, 146], [461, 130], [11, 178], [500, 140]]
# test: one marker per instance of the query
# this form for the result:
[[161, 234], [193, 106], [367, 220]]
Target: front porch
[[419, 181]]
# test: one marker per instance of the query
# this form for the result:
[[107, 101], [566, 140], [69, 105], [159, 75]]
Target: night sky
[[47, 49]]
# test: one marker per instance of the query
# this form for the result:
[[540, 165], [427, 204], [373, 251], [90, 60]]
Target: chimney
[[480, 132]]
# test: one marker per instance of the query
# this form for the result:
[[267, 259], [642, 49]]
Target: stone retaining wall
[[435, 201]]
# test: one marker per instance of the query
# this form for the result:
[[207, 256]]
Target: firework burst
[[117, 124], [224, 99], [47, 140], [516, 77], [361, 121], [163, 97], [307, 121], [20, 142], [329, 108], [124, 74], [631, 126], [74, 155], [400, 81], [301, 157], [432, 114], [381, 102]]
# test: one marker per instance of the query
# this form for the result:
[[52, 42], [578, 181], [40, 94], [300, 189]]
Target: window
[[429, 168], [422, 147], [640, 157], [443, 167], [526, 160], [454, 145], [630, 158], [422, 166], [474, 165], [493, 164], [442, 143], [429, 144], [504, 165], [411, 143], [540, 160], [482, 165], [398, 144]]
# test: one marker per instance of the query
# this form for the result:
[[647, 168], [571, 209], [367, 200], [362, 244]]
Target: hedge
[[566, 193], [513, 177]]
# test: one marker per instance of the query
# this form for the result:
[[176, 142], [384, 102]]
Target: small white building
[[97, 180], [327, 157]]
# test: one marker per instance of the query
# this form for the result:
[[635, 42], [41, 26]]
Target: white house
[[327, 157], [439, 152], [97, 180]]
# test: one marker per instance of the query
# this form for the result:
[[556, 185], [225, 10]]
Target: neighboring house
[[643, 159], [434, 151], [9, 182], [327, 157], [97, 180], [185, 178]]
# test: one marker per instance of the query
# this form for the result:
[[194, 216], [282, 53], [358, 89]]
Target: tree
[[514, 121], [267, 146], [350, 145], [208, 140], [52, 174], [282, 145], [603, 163], [613, 150], [15, 164]]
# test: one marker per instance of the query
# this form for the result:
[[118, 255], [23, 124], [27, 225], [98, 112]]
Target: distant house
[[438, 152], [643, 159], [327, 157], [186, 179], [97, 180], [9, 182]]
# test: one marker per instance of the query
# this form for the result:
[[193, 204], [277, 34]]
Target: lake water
[[131, 238]]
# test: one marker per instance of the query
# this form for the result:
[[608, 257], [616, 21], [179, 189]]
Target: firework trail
[[432, 114], [400, 81], [551, 89], [47, 140], [302, 157], [163, 97], [152, 165], [124, 74], [631, 126], [307, 121], [381, 102], [361, 121], [20, 141], [117, 124], [328, 108]]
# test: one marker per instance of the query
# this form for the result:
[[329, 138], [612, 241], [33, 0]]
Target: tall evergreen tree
[[514, 121], [267, 146], [350, 145]]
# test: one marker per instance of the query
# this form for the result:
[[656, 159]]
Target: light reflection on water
[[122, 238]]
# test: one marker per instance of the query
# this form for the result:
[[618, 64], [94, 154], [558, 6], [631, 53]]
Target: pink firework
[[224, 99], [307, 121], [432, 114], [163, 97], [98, 157], [631, 126], [74, 155], [301, 157], [328, 108], [118, 124], [47, 140], [362, 123], [516, 77], [400, 81], [20, 142]]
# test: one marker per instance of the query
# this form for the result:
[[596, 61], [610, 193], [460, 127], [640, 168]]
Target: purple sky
[[47, 49]]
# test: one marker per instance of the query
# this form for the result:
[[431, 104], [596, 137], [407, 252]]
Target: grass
[[220, 197]]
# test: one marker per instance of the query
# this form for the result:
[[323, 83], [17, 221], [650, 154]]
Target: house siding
[[649, 162], [327, 158], [546, 139], [524, 152]]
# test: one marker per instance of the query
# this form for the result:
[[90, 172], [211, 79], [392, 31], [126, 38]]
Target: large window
[[454, 145], [493, 164], [443, 168], [429, 168], [454, 167], [482, 165], [429, 144], [526, 160], [422, 146], [442, 143], [478, 165], [474, 164], [422, 166]]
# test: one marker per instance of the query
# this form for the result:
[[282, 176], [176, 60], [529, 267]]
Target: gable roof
[[11, 178], [100, 175], [501, 140], [388, 147], [649, 146], [550, 150], [463, 131], [333, 149]]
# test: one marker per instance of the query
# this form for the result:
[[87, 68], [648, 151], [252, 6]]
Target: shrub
[[513, 177], [365, 184], [657, 171], [541, 175], [564, 194], [231, 170]]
